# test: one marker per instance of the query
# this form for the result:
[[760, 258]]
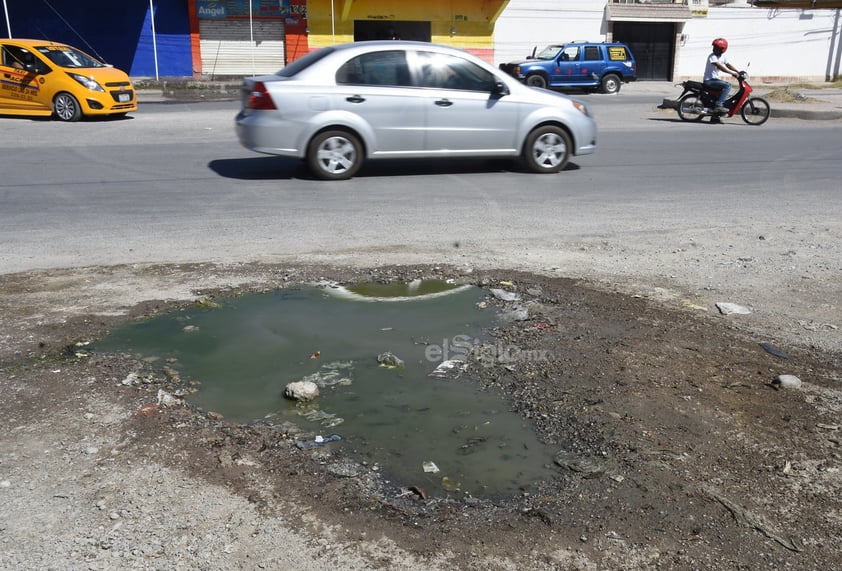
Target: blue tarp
[[116, 31]]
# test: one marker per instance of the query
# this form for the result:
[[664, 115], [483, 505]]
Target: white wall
[[525, 24], [779, 44]]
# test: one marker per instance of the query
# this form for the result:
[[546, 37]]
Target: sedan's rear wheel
[[547, 149], [335, 155], [66, 107]]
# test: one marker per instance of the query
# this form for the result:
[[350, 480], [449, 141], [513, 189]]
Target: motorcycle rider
[[716, 64]]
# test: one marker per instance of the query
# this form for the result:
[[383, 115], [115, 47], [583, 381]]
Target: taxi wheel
[[66, 107]]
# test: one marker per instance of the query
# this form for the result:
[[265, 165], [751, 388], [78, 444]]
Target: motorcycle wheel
[[755, 111], [691, 108]]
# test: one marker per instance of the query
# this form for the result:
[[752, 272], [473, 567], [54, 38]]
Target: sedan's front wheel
[[547, 149], [66, 107], [334, 155]]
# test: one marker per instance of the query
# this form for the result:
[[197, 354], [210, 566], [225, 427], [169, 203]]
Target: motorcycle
[[697, 101]]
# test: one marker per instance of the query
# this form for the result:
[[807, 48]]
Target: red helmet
[[720, 43]]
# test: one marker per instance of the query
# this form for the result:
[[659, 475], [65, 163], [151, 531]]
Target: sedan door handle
[[444, 102], [355, 99]]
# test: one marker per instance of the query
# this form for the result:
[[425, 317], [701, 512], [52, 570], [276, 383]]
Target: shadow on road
[[274, 168], [259, 168]]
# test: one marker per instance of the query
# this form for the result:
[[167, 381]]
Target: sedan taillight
[[259, 97]]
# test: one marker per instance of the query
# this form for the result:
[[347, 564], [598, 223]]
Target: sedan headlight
[[583, 108], [87, 82]]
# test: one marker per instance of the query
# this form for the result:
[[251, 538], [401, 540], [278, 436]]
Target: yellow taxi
[[42, 78]]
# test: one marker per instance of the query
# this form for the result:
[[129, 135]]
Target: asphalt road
[[171, 184]]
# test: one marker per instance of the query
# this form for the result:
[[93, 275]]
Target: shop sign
[[220, 9], [210, 9]]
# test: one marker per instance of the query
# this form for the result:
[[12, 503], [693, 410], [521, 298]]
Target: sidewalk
[[811, 104]]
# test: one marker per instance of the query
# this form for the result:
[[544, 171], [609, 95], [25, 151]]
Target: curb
[[813, 114], [785, 112]]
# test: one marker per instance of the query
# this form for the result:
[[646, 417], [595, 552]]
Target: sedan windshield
[[65, 56]]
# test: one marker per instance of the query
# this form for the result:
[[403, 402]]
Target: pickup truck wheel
[[536, 80], [611, 83]]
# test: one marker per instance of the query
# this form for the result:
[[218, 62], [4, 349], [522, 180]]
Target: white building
[[671, 39]]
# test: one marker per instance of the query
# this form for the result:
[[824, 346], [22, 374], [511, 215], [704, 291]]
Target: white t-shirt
[[711, 71]]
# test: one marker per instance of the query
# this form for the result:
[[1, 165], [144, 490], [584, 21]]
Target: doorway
[[653, 46], [365, 30]]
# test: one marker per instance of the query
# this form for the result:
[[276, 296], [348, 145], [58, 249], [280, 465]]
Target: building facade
[[227, 38], [671, 38]]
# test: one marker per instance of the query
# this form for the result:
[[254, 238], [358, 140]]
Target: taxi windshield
[[65, 56]]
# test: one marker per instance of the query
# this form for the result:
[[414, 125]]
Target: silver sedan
[[340, 105]]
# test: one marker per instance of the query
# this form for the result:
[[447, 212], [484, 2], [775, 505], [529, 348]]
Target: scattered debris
[[317, 442], [515, 314], [690, 305], [430, 467], [390, 360], [148, 409], [326, 419], [726, 308], [750, 519], [450, 369], [450, 485], [772, 350], [504, 295], [303, 391], [588, 466], [345, 469], [168, 399], [331, 374], [787, 382]]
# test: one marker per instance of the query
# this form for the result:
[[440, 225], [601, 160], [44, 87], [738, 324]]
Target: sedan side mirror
[[500, 89]]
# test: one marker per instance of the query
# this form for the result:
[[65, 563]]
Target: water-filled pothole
[[422, 423]]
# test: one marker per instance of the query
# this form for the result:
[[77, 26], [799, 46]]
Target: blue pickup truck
[[580, 65]]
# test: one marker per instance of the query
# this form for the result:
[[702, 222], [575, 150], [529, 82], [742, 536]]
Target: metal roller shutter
[[228, 49]]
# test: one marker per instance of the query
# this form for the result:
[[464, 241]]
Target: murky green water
[[245, 352]]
